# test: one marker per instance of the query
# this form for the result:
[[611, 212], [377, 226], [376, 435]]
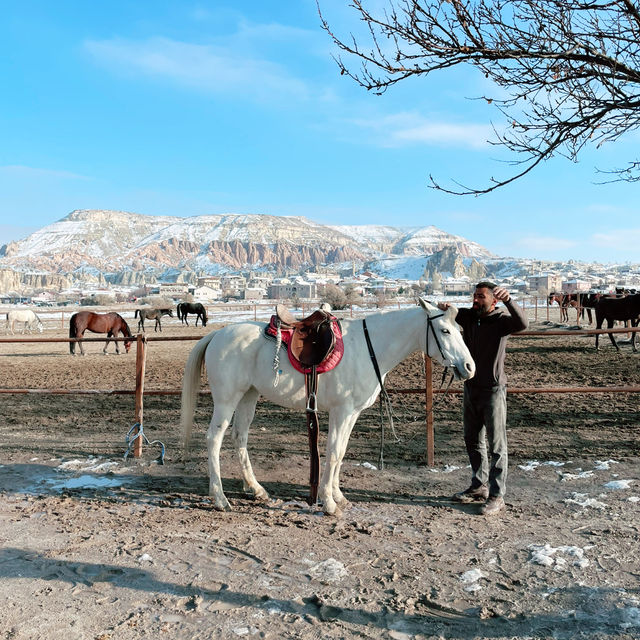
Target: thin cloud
[[545, 244], [622, 239], [404, 129], [35, 172], [209, 68]]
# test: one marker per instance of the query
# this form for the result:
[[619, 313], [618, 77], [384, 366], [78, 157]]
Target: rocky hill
[[129, 248]]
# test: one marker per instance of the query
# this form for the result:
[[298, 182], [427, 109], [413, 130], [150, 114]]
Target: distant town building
[[575, 286], [545, 283], [289, 289], [205, 294], [173, 290]]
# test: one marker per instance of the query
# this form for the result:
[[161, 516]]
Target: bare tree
[[335, 296], [568, 71]]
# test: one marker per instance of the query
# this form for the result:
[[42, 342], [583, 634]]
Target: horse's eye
[[446, 331]]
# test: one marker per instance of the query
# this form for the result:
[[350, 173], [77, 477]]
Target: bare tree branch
[[568, 70]]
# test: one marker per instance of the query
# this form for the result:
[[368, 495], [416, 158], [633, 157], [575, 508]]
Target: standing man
[[485, 330]]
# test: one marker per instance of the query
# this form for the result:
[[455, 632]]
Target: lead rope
[[385, 401]]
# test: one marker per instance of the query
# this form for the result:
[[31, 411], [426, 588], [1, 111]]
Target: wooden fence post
[[428, 374], [141, 358]]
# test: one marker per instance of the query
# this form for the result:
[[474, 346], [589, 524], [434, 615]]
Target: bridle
[[445, 371], [430, 328]]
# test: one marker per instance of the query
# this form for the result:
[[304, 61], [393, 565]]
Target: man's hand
[[501, 294], [443, 306]]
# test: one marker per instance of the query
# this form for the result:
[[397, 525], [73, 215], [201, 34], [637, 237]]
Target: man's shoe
[[472, 494], [493, 505]]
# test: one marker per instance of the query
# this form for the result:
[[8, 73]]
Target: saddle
[[314, 345]]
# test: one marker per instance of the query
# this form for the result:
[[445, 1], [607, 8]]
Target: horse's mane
[[125, 326]]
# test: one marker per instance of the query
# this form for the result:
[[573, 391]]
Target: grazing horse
[[110, 323], [152, 314], [240, 363], [29, 319], [611, 309], [184, 308], [564, 300]]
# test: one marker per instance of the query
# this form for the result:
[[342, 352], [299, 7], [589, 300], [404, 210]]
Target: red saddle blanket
[[331, 360]]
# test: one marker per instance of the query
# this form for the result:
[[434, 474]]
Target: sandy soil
[[96, 547]]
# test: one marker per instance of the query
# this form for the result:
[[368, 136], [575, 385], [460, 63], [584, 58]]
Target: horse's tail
[[73, 333], [190, 387], [178, 312], [135, 315]]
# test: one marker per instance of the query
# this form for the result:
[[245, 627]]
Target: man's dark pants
[[485, 422]]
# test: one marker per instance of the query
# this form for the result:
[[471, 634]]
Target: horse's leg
[[634, 323], [242, 419], [338, 496], [80, 335], [158, 325], [610, 324], [111, 336], [341, 422], [220, 420]]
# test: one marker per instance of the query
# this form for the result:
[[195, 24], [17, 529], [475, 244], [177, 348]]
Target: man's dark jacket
[[486, 338]]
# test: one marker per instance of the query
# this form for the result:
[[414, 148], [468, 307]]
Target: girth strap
[[311, 388]]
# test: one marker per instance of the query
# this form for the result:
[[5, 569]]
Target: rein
[[384, 396], [385, 401]]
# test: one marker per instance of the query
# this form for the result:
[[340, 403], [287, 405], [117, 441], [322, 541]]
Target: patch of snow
[[575, 476], [602, 465], [330, 570], [545, 555], [448, 468], [366, 465], [582, 500], [618, 484], [470, 578], [534, 464]]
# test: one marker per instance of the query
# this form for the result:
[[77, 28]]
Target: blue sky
[[176, 108]]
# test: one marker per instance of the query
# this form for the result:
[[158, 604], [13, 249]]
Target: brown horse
[[110, 323], [564, 301]]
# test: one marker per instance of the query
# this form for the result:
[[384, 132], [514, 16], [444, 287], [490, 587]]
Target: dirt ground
[[97, 547]]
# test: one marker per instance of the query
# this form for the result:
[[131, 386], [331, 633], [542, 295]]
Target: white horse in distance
[[28, 318], [240, 367]]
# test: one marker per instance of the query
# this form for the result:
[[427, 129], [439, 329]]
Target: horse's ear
[[426, 305]]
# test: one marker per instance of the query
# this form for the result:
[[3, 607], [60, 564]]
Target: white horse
[[29, 319], [240, 368]]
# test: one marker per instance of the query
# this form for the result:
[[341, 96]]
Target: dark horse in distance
[[611, 309], [184, 308], [152, 314], [110, 323]]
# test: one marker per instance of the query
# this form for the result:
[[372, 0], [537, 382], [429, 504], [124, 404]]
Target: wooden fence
[[428, 390]]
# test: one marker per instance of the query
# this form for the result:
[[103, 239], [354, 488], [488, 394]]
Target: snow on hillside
[[400, 267], [377, 234]]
